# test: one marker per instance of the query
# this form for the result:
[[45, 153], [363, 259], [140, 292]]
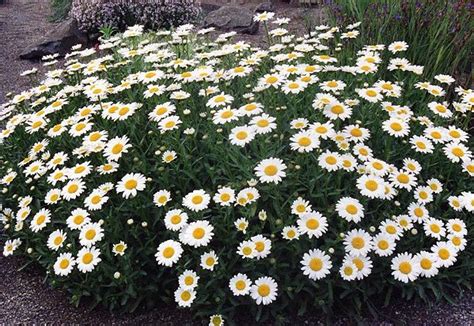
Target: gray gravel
[[26, 299]]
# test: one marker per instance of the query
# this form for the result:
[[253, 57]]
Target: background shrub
[[91, 15]]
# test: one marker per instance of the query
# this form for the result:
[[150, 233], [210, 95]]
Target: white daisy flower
[[168, 253], [264, 291], [270, 170], [316, 264]]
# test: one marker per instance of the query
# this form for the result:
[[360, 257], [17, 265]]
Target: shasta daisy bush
[[164, 166]]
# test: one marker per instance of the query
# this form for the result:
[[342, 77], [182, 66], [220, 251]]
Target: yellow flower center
[[270, 170], [272, 80], [210, 261], [371, 93], [405, 267], [263, 290], [425, 263], [87, 258], [435, 228], [199, 233], [198, 199], [358, 242], [304, 141], [64, 264], [131, 184], [176, 219], [168, 252], [352, 209], [457, 152], [40, 220], [396, 126], [403, 178], [444, 254], [240, 285], [90, 234], [189, 280], [312, 224], [227, 114], [186, 295], [316, 264], [371, 185], [337, 109], [117, 148], [72, 188], [383, 244], [78, 219], [96, 199], [331, 160]]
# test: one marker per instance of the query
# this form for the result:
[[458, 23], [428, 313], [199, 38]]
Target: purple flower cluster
[[91, 15]]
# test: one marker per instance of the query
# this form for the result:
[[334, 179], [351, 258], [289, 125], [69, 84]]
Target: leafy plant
[[60, 9], [164, 167]]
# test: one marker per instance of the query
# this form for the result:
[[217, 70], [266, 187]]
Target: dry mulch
[[26, 299], [21, 22]]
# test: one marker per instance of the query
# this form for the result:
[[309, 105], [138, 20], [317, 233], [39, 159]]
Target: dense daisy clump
[[169, 166]]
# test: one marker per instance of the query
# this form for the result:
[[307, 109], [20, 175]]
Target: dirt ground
[[26, 299]]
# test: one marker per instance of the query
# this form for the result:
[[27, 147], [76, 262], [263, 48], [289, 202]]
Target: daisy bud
[[32, 188], [341, 235], [144, 224], [150, 132], [69, 245], [297, 167], [161, 169], [205, 137], [28, 180], [117, 275], [157, 152], [331, 250], [414, 231], [372, 229], [7, 226], [130, 221], [278, 221], [29, 250], [252, 182], [4, 190], [272, 261], [186, 112], [135, 159], [397, 203], [101, 221], [162, 148]]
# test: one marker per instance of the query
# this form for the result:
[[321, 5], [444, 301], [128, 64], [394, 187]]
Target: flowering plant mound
[[92, 15], [165, 166]]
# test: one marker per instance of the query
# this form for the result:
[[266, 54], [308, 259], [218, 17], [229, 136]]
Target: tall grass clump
[[440, 33]]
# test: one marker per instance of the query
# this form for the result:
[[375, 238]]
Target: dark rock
[[265, 6], [208, 7], [60, 40], [230, 18]]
